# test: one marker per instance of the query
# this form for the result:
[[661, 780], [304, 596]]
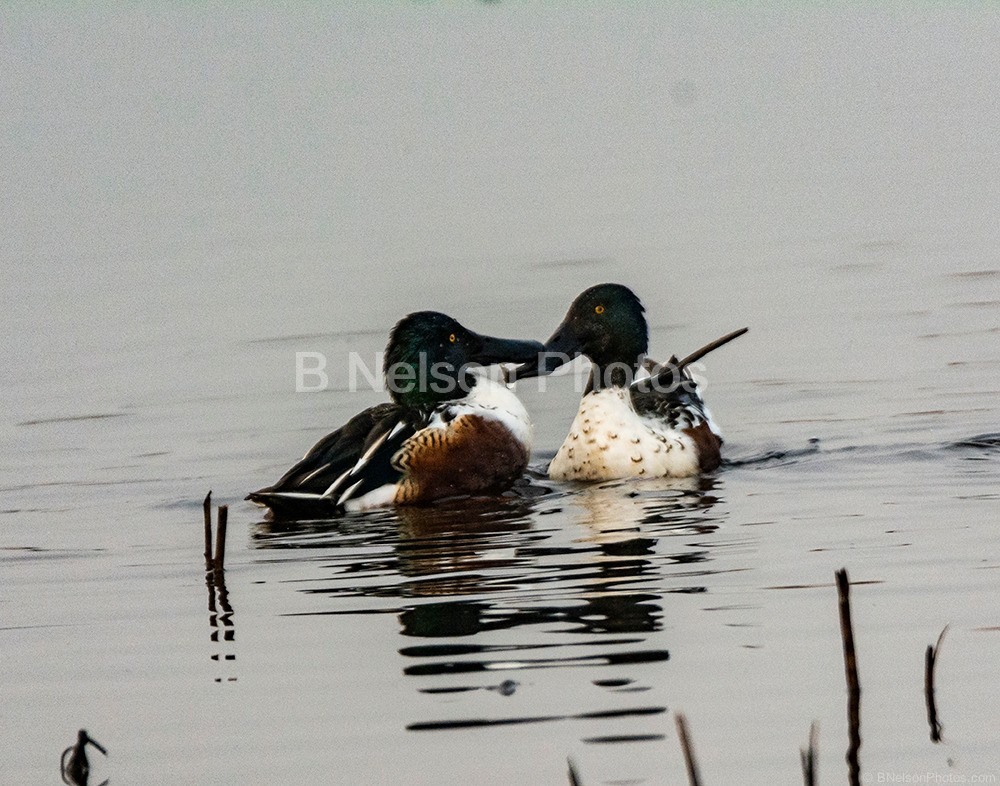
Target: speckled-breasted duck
[[654, 426]]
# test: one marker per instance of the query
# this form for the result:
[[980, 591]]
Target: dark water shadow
[[58, 419], [474, 723], [979, 447], [774, 456]]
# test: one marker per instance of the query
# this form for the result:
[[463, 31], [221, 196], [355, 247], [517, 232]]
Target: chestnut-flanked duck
[[450, 430]]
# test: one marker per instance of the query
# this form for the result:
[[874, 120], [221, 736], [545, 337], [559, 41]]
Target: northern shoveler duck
[[449, 431], [656, 426]]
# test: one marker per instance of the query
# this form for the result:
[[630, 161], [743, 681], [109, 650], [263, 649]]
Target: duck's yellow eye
[[599, 310], [452, 338]]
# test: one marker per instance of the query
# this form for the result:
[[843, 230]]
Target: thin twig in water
[[851, 672], [810, 756], [930, 662], [698, 354], [574, 779], [668, 373], [207, 507], [694, 778], [220, 543]]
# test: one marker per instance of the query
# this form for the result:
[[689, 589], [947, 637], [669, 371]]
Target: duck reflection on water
[[569, 578], [619, 511], [465, 552]]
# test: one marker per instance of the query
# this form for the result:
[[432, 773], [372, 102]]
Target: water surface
[[195, 196]]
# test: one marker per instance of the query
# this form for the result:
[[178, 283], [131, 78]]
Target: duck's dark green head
[[429, 354], [606, 323]]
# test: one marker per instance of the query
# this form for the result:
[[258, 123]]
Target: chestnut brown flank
[[709, 456], [474, 455]]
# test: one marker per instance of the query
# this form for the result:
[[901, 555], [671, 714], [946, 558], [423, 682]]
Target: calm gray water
[[191, 196]]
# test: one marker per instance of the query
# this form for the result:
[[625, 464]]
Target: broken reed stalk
[[220, 542], [694, 778], [207, 507], [810, 756], [929, 663], [698, 354], [851, 673], [574, 779]]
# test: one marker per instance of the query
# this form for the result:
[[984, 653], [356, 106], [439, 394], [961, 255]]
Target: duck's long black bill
[[561, 348], [491, 350]]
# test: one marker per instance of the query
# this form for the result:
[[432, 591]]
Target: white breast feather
[[488, 399], [491, 399], [609, 440], [383, 495]]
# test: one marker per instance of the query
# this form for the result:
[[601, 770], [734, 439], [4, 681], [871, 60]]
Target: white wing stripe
[[314, 473], [396, 429], [347, 494], [365, 458], [337, 482]]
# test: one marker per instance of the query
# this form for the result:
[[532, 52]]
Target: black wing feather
[[374, 467], [678, 403], [670, 393], [335, 454]]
